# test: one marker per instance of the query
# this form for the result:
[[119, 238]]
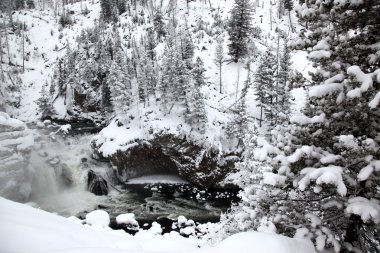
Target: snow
[[273, 179], [367, 209], [314, 219], [154, 179], [98, 217], [375, 101], [348, 141], [40, 231], [155, 229], [187, 231], [364, 79], [325, 175], [325, 89], [319, 54], [304, 120], [127, 218]]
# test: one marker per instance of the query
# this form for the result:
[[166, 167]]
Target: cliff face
[[170, 154], [16, 141]]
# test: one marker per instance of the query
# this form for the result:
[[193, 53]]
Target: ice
[[98, 217], [154, 179]]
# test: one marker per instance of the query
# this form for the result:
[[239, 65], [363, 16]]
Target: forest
[[273, 103]]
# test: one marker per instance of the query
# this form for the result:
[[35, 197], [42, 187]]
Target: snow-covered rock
[[98, 217]]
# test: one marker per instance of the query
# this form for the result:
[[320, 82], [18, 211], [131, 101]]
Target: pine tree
[[239, 29], [44, 102], [219, 59], [325, 166], [283, 92], [119, 82], [158, 22], [265, 87]]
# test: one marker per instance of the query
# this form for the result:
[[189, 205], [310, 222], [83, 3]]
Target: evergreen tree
[[265, 87], [239, 29], [199, 72], [159, 26], [219, 59], [44, 102], [325, 166], [119, 82], [283, 99]]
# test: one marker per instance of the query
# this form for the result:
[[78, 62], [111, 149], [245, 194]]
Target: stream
[[61, 165]]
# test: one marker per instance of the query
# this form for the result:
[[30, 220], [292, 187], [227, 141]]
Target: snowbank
[[26, 229]]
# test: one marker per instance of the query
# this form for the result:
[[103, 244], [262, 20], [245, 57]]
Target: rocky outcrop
[[169, 154], [16, 141]]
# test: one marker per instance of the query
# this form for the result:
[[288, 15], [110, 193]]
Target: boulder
[[96, 184]]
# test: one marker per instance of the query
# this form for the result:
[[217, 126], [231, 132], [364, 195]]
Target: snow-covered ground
[[26, 229]]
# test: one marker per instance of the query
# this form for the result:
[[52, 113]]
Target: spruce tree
[[119, 82], [265, 88], [159, 25], [219, 59], [325, 165], [239, 29]]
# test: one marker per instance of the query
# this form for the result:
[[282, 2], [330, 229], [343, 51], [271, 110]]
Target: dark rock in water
[[96, 184]]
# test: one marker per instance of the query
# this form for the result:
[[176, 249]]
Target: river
[[59, 185]]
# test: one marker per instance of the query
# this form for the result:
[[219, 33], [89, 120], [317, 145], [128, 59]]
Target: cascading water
[[59, 180]]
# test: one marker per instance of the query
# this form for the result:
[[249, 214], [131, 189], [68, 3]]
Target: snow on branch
[[326, 175], [304, 120], [274, 179], [367, 209], [330, 86], [365, 80], [319, 54], [367, 171]]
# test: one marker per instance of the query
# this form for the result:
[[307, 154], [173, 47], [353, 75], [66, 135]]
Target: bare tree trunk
[[270, 16], [261, 115], [278, 71], [290, 22], [10, 9], [220, 77], [1, 59], [7, 41], [237, 85], [23, 48]]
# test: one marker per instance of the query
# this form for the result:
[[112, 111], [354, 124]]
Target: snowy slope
[[25, 229]]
